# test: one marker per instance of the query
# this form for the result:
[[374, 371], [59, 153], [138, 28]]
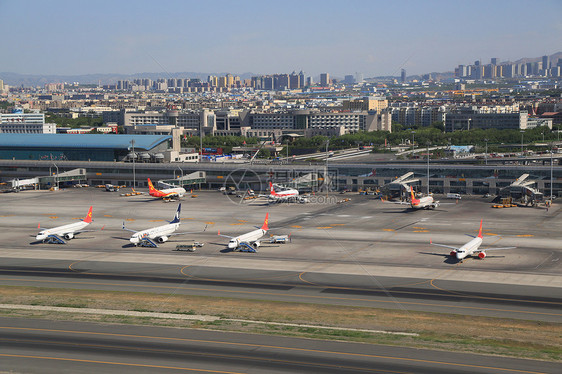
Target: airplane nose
[[231, 245], [134, 240]]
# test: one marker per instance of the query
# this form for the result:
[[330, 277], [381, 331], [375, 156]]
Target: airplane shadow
[[226, 250], [448, 258]]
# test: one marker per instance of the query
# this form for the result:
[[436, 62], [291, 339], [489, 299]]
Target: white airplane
[[284, 195], [470, 248], [168, 193], [250, 241], [424, 202], [159, 234], [60, 233]]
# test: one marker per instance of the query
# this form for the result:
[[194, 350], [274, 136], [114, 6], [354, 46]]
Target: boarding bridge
[[522, 191], [74, 175], [399, 187], [198, 177]]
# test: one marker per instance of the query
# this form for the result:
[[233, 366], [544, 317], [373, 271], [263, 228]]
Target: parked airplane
[[425, 202], [60, 233], [169, 193], [284, 195], [159, 234], [470, 248], [250, 241]]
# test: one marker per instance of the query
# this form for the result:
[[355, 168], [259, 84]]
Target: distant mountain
[[29, 80], [553, 59]]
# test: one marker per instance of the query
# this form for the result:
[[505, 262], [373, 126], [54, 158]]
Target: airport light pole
[[428, 168], [134, 156]]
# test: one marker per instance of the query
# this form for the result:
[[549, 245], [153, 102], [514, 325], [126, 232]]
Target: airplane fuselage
[[154, 233], [179, 191], [249, 237], [424, 202], [469, 248], [71, 228]]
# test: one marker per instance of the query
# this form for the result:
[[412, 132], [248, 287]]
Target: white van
[[454, 196]]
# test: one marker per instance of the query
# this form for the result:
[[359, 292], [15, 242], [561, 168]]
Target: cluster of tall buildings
[[493, 70]]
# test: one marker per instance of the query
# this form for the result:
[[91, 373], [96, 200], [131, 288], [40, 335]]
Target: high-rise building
[[545, 64], [403, 76], [359, 78], [302, 79], [494, 61], [1, 85], [325, 79], [348, 79]]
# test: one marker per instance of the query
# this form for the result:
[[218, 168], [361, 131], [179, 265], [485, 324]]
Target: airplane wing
[[493, 249], [225, 236], [444, 246], [126, 229], [189, 232], [395, 202]]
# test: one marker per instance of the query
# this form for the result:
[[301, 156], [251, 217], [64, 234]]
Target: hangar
[[83, 147]]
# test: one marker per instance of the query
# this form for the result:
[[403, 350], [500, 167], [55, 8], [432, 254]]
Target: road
[[39, 346]]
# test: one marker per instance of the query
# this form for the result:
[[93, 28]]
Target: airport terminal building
[[83, 147]]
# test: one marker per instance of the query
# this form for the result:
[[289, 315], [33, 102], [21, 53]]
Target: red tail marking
[[271, 189], [480, 232], [414, 200], [39, 225], [219, 232], [88, 218], [265, 226]]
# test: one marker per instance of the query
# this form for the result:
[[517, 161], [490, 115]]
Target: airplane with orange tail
[[424, 202], [169, 193], [250, 241], [60, 233], [282, 195], [470, 248]]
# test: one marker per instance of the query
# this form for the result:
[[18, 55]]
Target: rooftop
[[95, 141]]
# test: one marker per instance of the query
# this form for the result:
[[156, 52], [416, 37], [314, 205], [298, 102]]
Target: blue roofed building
[[84, 147]]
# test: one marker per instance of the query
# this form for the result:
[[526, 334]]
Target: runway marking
[[129, 219], [7, 215], [337, 224], [421, 230], [525, 235], [156, 220], [238, 344], [117, 363], [108, 215], [490, 234], [296, 227], [201, 354], [244, 279], [236, 224], [209, 223], [70, 266], [53, 217], [303, 295], [324, 227], [241, 220], [388, 230]]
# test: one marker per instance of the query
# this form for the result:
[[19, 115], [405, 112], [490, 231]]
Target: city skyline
[[370, 37]]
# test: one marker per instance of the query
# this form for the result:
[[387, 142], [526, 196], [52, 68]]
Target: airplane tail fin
[[480, 232], [177, 216], [88, 218], [265, 225], [151, 186], [271, 189]]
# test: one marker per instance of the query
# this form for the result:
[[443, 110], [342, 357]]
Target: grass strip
[[487, 335]]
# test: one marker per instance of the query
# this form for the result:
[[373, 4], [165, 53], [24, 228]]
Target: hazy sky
[[266, 36]]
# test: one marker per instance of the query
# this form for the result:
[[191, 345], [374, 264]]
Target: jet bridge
[[198, 177], [400, 187], [523, 191]]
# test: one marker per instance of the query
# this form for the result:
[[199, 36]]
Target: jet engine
[[256, 244], [69, 236], [162, 239], [481, 255]]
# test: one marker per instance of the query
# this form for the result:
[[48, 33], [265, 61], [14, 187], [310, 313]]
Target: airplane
[[159, 234], [59, 234], [288, 195], [425, 202], [169, 193], [470, 248], [250, 241]]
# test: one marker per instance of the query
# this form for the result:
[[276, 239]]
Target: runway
[[39, 346], [431, 295]]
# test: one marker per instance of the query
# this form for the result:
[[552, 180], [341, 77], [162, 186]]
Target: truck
[[454, 196], [280, 239], [189, 247]]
